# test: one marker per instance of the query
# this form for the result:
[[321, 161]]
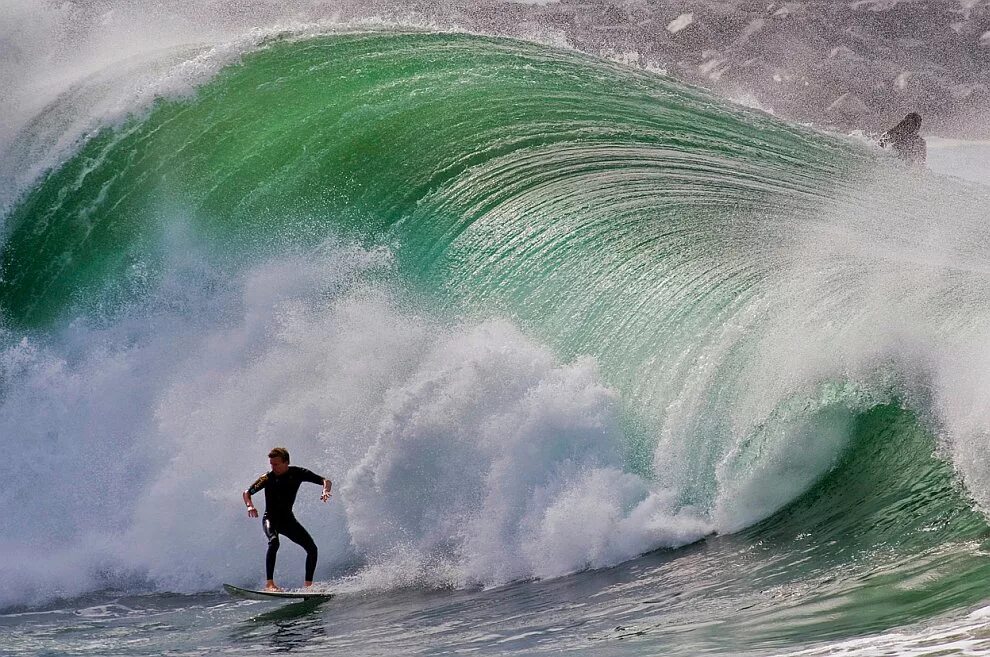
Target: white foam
[[462, 453], [952, 636], [966, 159]]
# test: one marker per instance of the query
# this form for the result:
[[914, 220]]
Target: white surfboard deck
[[250, 594]]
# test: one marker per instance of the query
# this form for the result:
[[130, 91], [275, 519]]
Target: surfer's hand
[[325, 495], [252, 512]]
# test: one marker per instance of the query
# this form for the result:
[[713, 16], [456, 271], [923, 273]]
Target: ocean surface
[[599, 363]]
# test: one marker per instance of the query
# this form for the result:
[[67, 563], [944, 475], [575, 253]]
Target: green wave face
[[607, 211], [468, 152], [884, 540], [886, 537]]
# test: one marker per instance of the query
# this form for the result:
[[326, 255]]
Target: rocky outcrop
[[857, 64]]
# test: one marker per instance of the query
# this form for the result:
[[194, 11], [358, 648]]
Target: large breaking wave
[[533, 311]]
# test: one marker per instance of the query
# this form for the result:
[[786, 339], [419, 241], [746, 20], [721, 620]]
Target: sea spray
[[465, 453], [580, 314]]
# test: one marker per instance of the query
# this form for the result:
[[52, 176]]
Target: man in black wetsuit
[[280, 486], [904, 140]]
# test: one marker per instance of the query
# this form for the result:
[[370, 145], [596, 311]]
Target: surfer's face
[[279, 466]]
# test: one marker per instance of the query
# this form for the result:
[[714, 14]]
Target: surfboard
[[250, 594]]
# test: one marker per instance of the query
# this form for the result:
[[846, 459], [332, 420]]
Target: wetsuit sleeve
[[307, 475], [258, 485]]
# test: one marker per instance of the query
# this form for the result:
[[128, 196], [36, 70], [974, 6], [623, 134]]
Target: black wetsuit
[[910, 148], [904, 140], [280, 495]]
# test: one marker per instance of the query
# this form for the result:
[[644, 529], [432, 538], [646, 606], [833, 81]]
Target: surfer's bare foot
[[271, 586], [306, 585]]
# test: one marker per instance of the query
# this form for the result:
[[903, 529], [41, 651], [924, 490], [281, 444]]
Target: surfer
[[904, 139], [280, 486]]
